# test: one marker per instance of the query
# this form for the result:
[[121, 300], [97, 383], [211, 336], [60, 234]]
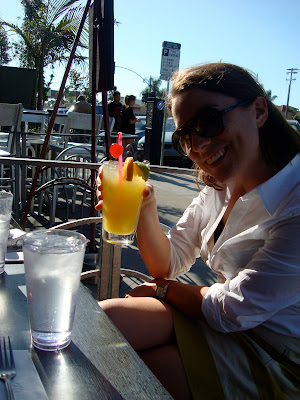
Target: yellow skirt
[[253, 364]]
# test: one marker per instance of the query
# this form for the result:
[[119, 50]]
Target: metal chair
[[10, 122], [66, 183], [79, 122]]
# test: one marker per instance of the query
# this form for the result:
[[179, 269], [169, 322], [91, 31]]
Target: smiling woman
[[240, 337], [277, 143]]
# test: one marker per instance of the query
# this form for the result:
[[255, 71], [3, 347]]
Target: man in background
[[81, 106], [114, 110]]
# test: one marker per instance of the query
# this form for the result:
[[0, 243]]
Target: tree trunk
[[40, 82]]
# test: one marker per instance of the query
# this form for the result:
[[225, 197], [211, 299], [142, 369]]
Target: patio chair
[[70, 185], [10, 122], [77, 122]]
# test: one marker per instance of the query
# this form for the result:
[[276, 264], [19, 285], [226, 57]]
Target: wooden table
[[98, 364]]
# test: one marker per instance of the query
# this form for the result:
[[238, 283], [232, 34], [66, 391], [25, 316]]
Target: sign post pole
[[169, 63]]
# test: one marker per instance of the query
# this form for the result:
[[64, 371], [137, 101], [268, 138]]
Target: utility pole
[[291, 71]]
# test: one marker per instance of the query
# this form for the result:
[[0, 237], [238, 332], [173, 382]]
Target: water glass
[[53, 263], [6, 200]]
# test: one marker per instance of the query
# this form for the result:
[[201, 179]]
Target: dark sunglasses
[[209, 122]]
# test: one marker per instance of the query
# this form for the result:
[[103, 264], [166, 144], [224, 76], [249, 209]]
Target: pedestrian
[[129, 120], [81, 106], [240, 337], [114, 110]]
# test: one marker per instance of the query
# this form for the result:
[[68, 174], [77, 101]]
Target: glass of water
[[6, 200], [53, 262]]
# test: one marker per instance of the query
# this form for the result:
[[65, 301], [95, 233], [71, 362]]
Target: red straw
[[120, 158]]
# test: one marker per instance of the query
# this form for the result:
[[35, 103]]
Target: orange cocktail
[[122, 200]]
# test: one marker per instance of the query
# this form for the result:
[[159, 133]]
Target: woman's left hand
[[147, 289]]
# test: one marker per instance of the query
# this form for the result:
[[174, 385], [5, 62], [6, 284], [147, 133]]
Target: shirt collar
[[275, 189]]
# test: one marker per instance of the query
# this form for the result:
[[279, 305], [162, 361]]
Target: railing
[[23, 163]]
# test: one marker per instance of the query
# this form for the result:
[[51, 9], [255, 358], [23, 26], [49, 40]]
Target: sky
[[259, 35]]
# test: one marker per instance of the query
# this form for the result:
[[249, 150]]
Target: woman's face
[[131, 103], [234, 155]]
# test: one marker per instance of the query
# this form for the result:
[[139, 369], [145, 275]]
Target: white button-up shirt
[[257, 256]]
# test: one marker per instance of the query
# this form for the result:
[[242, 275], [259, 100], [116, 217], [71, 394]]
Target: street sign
[[169, 59], [160, 105]]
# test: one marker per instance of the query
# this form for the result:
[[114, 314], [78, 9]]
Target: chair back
[[60, 121], [10, 121], [111, 124], [80, 121]]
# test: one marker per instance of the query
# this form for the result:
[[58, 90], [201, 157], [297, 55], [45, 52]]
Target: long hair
[[128, 99], [278, 141]]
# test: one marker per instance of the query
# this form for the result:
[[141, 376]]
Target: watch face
[[160, 292]]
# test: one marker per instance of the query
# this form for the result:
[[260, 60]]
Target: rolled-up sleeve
[[185, 238], [263, 288]]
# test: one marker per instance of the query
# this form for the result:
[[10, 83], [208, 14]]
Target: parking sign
[[169, 59]]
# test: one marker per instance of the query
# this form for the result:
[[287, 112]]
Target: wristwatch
[[161, 291]]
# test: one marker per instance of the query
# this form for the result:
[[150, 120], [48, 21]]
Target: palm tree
[[154, 86], [47, 36], [269, 94], [4, 47]]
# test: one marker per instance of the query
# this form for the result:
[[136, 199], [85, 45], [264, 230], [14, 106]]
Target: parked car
[[170, 154], [140, 126], [294, 124]]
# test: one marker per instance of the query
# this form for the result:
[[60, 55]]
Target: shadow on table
[[70, 367]]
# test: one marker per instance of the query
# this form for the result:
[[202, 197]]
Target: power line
[[290, 71]]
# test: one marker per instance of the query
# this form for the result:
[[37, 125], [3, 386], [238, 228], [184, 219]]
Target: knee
[[111, 307]]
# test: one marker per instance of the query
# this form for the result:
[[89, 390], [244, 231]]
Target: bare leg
[[144, 321], [166, 365], [147, 324]]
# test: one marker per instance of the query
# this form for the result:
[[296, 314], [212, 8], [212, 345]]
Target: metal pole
[[164, 130], [288, 99], [291, 72]]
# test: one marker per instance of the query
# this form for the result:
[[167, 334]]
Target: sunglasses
[[209, 122]]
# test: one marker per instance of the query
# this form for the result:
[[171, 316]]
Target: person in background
[[81, 106], [114, 110], [129, 119], [240, 337]]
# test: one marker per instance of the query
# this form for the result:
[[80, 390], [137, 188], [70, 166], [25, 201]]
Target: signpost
[[169, 59], [169, 63]]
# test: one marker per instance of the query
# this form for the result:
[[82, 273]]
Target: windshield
[[170, 126], [140, 125]]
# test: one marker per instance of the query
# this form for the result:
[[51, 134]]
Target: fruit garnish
[[145, 171], [116, 150], [128, 169]]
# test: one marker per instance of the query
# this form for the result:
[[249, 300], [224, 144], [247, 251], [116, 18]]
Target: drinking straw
[[120, 158]]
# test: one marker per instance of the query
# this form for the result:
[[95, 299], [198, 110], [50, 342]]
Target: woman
[[129, 119], [239, 338]]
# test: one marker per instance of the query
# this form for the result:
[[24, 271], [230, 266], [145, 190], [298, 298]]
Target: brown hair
[[279, 142], [128, 98]]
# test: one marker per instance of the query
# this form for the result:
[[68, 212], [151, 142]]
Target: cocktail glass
[[122, 200]]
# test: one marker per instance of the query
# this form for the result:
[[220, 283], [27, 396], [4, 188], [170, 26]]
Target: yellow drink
[[122, 201]]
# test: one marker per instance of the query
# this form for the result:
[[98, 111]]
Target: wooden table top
[[98, 364]]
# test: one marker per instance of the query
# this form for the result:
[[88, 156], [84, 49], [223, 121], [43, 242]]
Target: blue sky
[[260, 35]]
